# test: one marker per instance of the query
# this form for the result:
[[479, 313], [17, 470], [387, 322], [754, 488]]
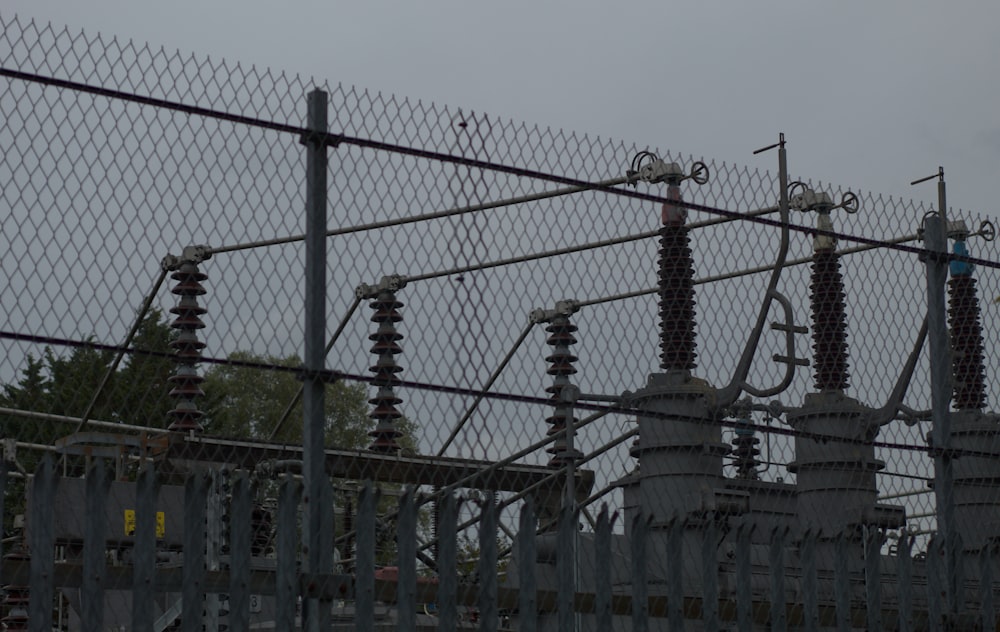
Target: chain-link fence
[[488, 285]]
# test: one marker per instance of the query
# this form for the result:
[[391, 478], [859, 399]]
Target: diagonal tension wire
[[334, 140], [121, 352]]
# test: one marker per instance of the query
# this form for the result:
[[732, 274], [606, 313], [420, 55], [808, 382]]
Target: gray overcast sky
[[870, 95]]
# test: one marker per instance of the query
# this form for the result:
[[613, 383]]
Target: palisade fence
[[281, 356]]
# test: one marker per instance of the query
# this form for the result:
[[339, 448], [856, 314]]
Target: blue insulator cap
[[744, 430], [961, 268]]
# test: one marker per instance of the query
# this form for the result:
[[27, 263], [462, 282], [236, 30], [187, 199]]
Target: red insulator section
[[829, 331], [386, 348], [187, 348], [15, 598], [676, 285], [967, 364], [560, 367]]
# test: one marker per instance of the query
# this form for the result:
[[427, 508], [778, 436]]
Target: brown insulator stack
[[187, 348], [966, 339], [386, 348], [560, 367], [829, 322], [745, 452], [15, 598], [676, 285]]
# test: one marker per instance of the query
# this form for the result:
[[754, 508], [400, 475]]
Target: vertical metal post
[[3, 498], [565, 567], [318, 496], [986, 587], [41, 543], [710, 575], [487, 567], [935, 240], [286, 587], [873, 578], [935, 591], [239, 552], [904, 583], [406, 551], [675, 574], [193, 594], [526, 559], [640, 591], [602, 570], [364, 597], [841, 584], [144, 551], [744, 576], [447, 560], [94, 548], [810, 589], [776, 559]]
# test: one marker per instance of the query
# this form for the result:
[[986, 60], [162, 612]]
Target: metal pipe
[[121, 352], [489, 383], [532, 197]]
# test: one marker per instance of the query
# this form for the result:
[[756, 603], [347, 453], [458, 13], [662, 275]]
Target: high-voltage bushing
[[676, 266], [187, 348], [562, 391], [386, 347], [829, 332], [968, 370]]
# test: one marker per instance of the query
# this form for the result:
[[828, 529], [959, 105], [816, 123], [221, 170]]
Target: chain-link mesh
[[118, 155]]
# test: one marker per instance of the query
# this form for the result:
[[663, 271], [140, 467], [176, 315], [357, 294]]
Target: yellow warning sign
[[161, 523]]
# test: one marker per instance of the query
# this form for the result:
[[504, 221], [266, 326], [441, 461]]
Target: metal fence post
[[810, 589], [406, 552], [286, 588], [144, 551], [873, 578], [904, 582], [526, 559], [41, 543], [776, 559], [602, 570], [487, 567], [566, 568], [640, 591], [935, 240], [447, 562], [318, 496], [239, 555], [193, 594], [364, 591], [94, 547]]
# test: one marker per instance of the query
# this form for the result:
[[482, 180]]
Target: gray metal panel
[[41, 543], [94, 548], [286, 584], [71, 516], [144, 552], [195, 496], [447, 562], [239, 551], [527, 557]]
